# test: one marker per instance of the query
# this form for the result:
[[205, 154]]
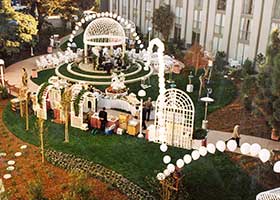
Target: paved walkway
[[13, 75], [214, 136]]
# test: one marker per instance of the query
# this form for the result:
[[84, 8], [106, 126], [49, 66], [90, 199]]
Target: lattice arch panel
[[177, 114], [269, 195]]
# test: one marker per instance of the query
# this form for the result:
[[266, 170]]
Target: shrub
[[200, 134], [36, 191], [4, 92], [79, 188]]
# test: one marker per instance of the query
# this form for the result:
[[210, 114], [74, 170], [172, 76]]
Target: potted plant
[[199, 138]]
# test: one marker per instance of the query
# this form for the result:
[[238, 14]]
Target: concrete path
[[214, 136], [13, 73]]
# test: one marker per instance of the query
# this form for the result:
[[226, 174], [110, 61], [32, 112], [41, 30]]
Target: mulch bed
[[28, 168], [227, 117]]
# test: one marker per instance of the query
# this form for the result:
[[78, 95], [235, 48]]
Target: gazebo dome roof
[[104, 31]]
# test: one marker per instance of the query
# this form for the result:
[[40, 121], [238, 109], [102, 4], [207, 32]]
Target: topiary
[[77, 101], [200, 134], [41, 92]]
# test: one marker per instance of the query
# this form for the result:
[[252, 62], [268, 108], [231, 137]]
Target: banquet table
[[95, 122], [121, 104], [118, 104]]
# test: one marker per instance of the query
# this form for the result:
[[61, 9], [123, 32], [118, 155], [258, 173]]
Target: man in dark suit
[[103, 117]]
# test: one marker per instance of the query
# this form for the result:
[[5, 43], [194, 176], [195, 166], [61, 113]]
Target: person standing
[[24, 77], [148, 106], [144, 113], [236, 135], [103, 117]]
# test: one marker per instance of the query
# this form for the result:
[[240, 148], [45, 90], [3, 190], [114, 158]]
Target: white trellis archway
[[269, 195], [178, 115]]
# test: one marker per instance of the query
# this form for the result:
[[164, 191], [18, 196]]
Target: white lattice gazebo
[[104, 32]]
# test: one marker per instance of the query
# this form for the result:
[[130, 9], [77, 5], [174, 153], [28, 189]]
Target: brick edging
[[72, 163]]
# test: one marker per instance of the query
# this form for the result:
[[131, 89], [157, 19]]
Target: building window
[[244, 34], [178, 12], [221, 5], [276, 11], [124, 8], [135, 10], [247, 7], [198, 4], [219, 25], [197, 21], [114, 6], [148, 13]]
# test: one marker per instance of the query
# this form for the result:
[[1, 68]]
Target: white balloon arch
[[92, 16], [246, 149]]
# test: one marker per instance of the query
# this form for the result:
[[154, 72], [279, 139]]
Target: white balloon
[[146, 68], [255, 149], [166, 159], [141, 46], [79, 23], [171, 168], [195, 155], [264, 155], [83, 20], [202, 151], [221, 146], [76, 28], [245, 148], [231, 145], [276, 167], [211, 148], [166, 172], [180, 163], [160, 176], [163, 147], [187, 159]]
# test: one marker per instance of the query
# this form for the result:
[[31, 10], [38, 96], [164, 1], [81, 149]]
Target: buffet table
[[118, 104], [95, 122], [121, 104]]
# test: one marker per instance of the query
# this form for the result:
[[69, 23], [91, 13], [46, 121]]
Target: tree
[[163, 19], [195, 57], [267, 99], [65, 102], [17, 29], [64, 8]]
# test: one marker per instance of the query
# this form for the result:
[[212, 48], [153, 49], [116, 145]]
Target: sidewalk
[[214, 136]]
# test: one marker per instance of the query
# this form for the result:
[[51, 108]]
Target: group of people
[[108, 62]]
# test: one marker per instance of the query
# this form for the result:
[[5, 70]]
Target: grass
[[211, 177], [63, 70], [78, 70]]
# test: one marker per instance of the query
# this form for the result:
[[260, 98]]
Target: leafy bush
[[220, 61], [248, 68], [36, 191], [200, 134], [4, 92], [79, 188]]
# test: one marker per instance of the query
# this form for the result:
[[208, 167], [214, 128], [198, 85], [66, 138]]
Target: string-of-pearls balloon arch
[[93, 16], [246, 149]]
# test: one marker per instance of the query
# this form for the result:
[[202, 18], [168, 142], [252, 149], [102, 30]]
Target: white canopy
[[104, 31]]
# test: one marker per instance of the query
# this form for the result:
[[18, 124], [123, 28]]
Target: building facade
[[241, 28]]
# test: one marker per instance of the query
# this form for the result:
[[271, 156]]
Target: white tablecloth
[[120, 104], [117, 104]]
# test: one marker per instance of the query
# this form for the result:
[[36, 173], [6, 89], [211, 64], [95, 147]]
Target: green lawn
[[211, 177]]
